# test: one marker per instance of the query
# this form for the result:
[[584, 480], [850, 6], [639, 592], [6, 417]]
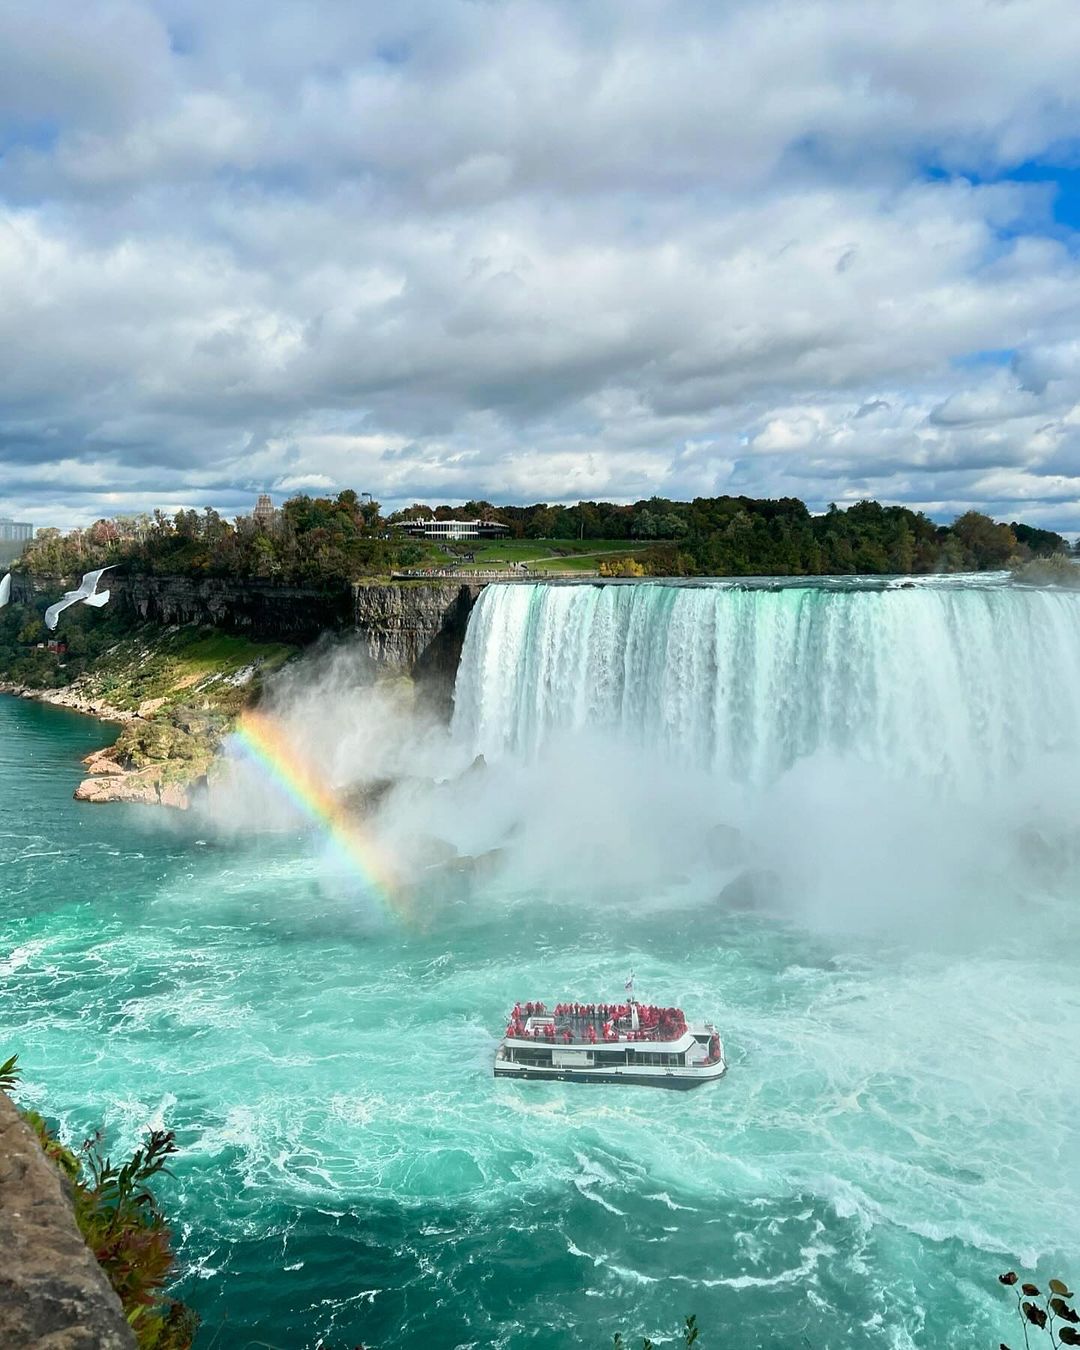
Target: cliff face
[[416, 627], [52, 1290], [411, 627], [257, 609]]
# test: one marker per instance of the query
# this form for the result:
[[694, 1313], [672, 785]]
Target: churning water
[[851, 829]]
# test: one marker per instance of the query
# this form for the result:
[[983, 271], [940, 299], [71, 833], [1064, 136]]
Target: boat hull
[[673, 1081]]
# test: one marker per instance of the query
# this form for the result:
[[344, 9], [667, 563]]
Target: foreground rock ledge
[[53, 1294]]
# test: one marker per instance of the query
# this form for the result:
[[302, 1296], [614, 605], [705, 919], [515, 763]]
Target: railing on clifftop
[[486, 574]]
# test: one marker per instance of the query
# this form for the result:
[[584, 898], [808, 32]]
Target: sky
[[539, 250]]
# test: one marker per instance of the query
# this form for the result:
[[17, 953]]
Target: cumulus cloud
[[532, 250]]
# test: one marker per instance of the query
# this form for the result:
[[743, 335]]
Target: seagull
[[87, 593], [5, 590]]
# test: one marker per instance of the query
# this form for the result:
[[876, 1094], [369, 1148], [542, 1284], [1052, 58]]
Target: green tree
[[985, 544]]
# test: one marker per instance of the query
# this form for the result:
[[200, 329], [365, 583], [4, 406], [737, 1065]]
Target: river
[[872, 889]]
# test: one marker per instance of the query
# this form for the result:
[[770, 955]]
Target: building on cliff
[[454, 529]]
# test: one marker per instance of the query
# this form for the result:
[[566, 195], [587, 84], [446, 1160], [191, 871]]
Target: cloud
[[531, 250]]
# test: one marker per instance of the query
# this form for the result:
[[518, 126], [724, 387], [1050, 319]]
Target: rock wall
[[52, 1291], [416, 627], [409, 627], [257, 609]]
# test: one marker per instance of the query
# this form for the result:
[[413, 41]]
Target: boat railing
[[552, 1028]]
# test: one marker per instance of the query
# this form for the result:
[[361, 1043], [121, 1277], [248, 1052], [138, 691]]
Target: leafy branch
[[1054, 1315]]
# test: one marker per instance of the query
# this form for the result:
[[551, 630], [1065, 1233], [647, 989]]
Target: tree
[[986, 544]]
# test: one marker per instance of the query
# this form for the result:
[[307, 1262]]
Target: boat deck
[[595, 1024]]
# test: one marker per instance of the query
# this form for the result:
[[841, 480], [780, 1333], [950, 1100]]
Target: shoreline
[[107, 780], [63, 698]]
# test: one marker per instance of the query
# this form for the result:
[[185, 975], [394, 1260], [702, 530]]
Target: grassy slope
[[182, 666], [572, 554]]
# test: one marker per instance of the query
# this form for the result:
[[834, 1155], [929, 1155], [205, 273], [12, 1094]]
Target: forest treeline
[[327, 540], [747, 536]]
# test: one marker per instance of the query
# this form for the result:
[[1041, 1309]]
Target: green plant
[[1054, 1315], [9, 1073]]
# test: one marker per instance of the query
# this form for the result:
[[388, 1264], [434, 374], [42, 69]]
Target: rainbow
[[265, 744]]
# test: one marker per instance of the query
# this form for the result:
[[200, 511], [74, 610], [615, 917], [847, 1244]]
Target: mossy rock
[[186, 734]]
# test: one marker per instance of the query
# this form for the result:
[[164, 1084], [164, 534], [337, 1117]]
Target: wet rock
[[140, 788], [102, 762], [428, 850], [753, 889]]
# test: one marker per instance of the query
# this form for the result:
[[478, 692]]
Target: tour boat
[[630, 1042]]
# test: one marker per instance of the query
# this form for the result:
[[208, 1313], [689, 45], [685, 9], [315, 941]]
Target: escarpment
[[416, 627]]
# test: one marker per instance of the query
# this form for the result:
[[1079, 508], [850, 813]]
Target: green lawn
[[553, 553]]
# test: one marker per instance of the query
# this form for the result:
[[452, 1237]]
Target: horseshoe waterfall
[[839, 820]]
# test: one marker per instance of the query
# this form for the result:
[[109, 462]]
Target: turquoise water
[[898, 1124]]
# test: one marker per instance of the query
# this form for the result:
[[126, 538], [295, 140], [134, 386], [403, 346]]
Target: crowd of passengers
[[654, 1024]]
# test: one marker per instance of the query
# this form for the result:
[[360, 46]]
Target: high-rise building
[[15, 531], [264, 509]]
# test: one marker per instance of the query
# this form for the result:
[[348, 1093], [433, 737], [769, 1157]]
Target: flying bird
[[5, 590], [87, 593]]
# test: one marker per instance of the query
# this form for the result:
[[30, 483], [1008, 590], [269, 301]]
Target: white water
[[957, 684]]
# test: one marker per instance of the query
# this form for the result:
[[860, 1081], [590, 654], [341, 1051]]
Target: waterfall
[[958, 682]]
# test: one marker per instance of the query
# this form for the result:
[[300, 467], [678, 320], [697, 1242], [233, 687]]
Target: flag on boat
[[630, 982]]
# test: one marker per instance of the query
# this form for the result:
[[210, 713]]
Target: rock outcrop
[[142, 788], [415, 626], [154, 762], [257, 609], [53, 1294]]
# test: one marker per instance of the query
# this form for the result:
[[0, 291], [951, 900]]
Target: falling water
[[947, 682]]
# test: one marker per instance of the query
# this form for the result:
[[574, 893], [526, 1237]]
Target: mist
[[843, 839]]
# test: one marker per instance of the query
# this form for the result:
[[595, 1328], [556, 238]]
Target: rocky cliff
[[165, 654], [415, 627], [409, 626], [256, 609], [52, 1291]]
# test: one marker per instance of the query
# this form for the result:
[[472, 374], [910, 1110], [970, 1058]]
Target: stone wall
[[52, 1291]]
